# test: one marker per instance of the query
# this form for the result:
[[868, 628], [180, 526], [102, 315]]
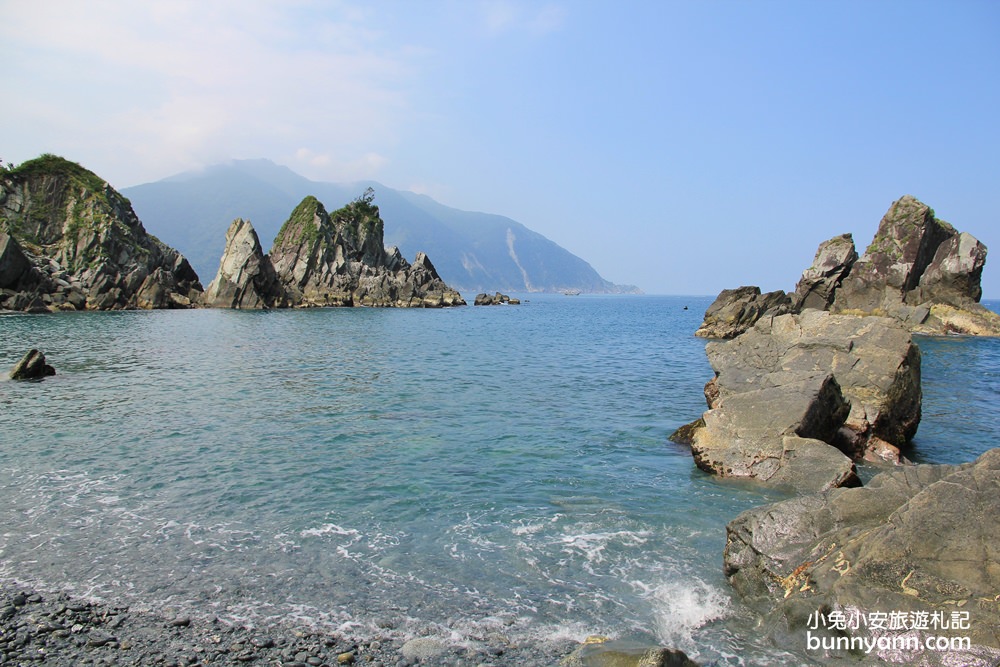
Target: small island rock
[[325, 259], [497, 299]]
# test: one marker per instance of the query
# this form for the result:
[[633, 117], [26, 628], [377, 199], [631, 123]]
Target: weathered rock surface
[[778, 435], [795, 393], [914, 263], [497, 299], [324, 259], [736, 310], [833, 262], [917, 269], [597, 651], [69, 241], [31, 367], [922, 541], [246, 278]]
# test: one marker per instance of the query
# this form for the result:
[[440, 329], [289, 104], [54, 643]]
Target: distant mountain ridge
[[472, 252]]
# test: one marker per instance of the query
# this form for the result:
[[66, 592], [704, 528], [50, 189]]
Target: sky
[[684, 147]]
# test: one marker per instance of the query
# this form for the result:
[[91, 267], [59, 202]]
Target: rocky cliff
[[918, 269], [69, 241], [324, 259]]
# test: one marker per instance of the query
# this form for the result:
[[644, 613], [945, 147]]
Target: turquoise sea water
[[459, 473]]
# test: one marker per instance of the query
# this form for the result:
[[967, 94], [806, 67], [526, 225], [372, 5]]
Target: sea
[[461, 473]]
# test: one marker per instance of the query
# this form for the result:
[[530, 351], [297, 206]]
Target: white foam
[[681, 606], [329, 529], [593, 545]]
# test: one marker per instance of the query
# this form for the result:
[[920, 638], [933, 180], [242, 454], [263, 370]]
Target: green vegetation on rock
[[55, 166], [301, 226]]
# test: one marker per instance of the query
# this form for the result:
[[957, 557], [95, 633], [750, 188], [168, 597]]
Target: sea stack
[[325, 259]]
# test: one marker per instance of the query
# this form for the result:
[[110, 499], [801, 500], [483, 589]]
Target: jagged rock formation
[[324, 259], [922, 271], [916, 540], [797, 397], [246, 278], [735, 310], [819, 282], [917, 269], [32, 366], [69, 241]]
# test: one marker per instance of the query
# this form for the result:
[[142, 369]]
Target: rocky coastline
[[806, 386], [69, 241]]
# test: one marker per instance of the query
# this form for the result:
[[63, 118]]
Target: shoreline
[[38, 626]]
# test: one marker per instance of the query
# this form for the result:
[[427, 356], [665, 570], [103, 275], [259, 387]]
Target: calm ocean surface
[[457, 473]]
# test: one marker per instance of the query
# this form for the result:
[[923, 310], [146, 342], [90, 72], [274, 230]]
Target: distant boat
[[570, 292]]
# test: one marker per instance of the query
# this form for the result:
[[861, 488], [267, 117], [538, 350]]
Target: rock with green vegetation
[[84, 246], [337, 259], [921, 542]]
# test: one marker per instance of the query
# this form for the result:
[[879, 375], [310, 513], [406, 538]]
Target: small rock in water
[[32, 366]]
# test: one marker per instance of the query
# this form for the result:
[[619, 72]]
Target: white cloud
[[174, 85]]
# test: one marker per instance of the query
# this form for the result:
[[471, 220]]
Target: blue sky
[[681, 146]]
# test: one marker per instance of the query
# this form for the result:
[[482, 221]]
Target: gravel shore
[[55, 629]]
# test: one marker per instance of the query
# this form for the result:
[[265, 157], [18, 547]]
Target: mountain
[[472, 252]]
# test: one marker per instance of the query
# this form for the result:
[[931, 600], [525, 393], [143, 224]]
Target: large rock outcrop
[[325, 259], [69, 241], [918, 542], [797, 397], [918, 269]]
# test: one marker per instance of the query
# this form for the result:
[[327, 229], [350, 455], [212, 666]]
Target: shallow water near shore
[[468, 473]]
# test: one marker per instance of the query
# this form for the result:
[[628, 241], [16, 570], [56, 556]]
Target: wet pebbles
[[53, 629]]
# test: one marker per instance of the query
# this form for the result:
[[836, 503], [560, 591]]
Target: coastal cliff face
[[69, 241], [918, 270], [324, 259]]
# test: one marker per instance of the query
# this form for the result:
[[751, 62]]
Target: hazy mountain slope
[[471, 251]]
